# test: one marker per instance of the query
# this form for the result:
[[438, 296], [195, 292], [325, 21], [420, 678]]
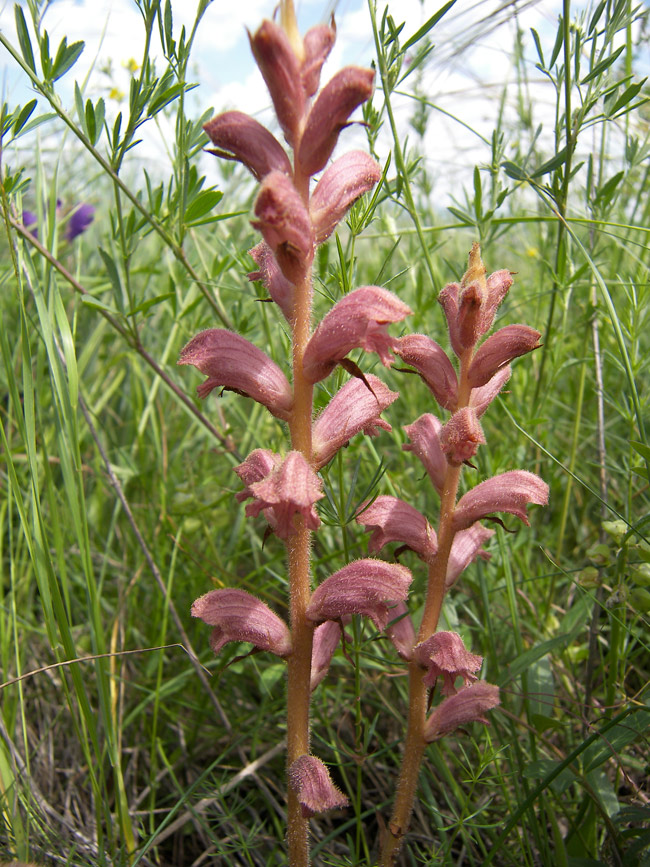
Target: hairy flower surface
[[326, 639], [432, 363], [290, 489], [348, 178], [480, 398], [468, 705], [281, 290], [284, 223], [354, 408], [461, 436], [369, 587], [311, 781], [256, 467], [424, 434], [231, 361], [239, 137], [508, 492], [393, 520], [238, 616], [358, 320], [499, 350], [466, 547], [400, 630], [445, 655], [329, 115]]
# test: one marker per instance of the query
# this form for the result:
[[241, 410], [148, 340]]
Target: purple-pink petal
[[348, 178], [238, 616], [280, 289], [444, 655], [400, 630], [354, 408], [499, 350], [469, 705], [231, 361], [424, 434], [329, 115], [284, 223], [317, 43], [393, 520], [256, 467], [311, 781], [369, 587], [466, 547], [239, 137], [432, 363], [281, 71], [326, 639], [481, 398], [291, 489], [359, 319], [508, 492], [79, 220], [461, 436]]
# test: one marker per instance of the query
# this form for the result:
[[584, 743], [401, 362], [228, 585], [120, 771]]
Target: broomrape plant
[[294, 219]]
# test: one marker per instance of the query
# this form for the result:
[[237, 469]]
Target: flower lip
[[359, 319], [342, 183], [432, 363], [311, 781], [240, 137], [290, 489], [468, 705], [393, 520], [508, 492]]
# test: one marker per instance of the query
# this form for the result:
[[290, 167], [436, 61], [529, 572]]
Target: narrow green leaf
[[202, 204], [90, 121], [628, 94], [428, 25], [23, 116], [595, 18], [97, 304], [79, 106], [604, 65], [66, 57], [559, 40], [149, 303], [514, 171], [538, 47], [23, 38], [550, 165], [641, 448], [636, 725], [525, 660]]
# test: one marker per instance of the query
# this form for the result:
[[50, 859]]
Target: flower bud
[[310, 780], [468, 705], [318, 43], [445, 655], [461, 436]]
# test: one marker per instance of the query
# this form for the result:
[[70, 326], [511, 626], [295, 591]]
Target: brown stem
[[415, 743], [299, 550]]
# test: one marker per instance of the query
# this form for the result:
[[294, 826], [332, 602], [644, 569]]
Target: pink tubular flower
[[329, 115], [354, 408], [326, 639], [445, 655], [424, 434], [256, 467], [280, 68], [468, 705], [508, 492], [461, 436], [431, 362], [241, 138], [238, 616], [285, 225], [369, 587], [317, 45], [358, 320], [310, 780], [290, 489], [481, 398], [348, 178], [276, 284], [232, 362], [400, 631], [499, 350], [393, 520], [466, 547]]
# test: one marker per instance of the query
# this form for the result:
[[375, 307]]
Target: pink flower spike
[[276, 284], [508, 492], [231, 361], [461, 436], [359, 319], [241, 138], [369, 587], [285, 225], [311, 781], [326, 639], [317, 43], [256, 467], [466, 547], [238, 616], [289, 490], [468, 705], [481, 398], [393, 520], [353, 409], [424, 434], [445, 655], [280, 68], [348, 178], [329, 115], [400, 631], [499, 350], [432, 363]]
